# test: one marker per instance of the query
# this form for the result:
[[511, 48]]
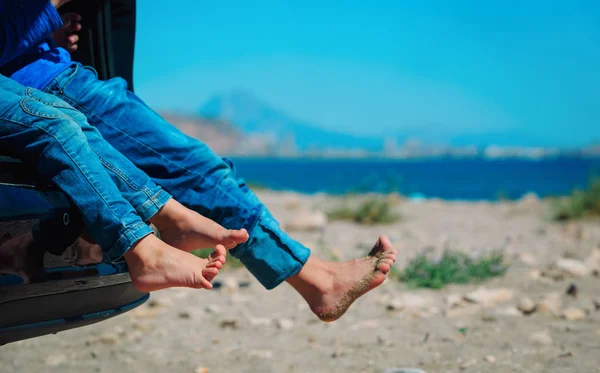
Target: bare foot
[[87, 253], [154, 265], [187, 230], [330, 288], [23, 257]]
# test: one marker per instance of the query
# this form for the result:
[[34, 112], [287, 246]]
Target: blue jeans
[[185, 167], [56, 141]]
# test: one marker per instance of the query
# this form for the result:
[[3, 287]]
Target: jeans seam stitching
[[76, 165], [132, 184], [129, 231]]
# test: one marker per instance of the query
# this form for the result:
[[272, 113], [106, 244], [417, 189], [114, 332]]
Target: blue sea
[[452, 179]]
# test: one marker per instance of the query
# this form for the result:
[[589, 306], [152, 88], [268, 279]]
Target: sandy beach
[[523, 321]]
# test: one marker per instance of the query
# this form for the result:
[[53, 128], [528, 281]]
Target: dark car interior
[[68, 295]]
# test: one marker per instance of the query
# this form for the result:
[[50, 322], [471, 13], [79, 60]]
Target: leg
[[186, 168], [52, 144], [179, 226], [202, 181]]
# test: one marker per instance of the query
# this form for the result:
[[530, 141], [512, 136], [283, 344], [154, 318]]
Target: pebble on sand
[[592, 262], [261, 354], [541, 338], [490, 359], [572, 314], [489, 297], [56, 359], [572, 267], [526, 305], [285, 324], [550, 304]]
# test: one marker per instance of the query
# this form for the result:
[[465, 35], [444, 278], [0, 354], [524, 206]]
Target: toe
[[384, 266], [215, 264], [210, 271], [201, 282], [383, 245], [220, 250]]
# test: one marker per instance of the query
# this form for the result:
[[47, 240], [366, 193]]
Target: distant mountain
[[253, 116], [221, 136]]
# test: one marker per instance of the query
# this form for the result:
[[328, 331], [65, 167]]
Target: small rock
[[109, 339], [404, 370], [489, 297], [592, 262], [550, 304], [572, 267], [541, 338], [306, 221], [56, 359], [528, 259], [468, 310], [285, 324], [260, 321], [553, 273], [572, 314], [262, 354], [229, 323], [572, 290], [395, 305], [211, 308], [201, 370], [507, 311], [411, 301], [490, 359], [526, 305], [566, 354]]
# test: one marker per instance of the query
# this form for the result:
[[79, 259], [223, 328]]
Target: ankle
[[168, 215], [315, 277], [141, 250]]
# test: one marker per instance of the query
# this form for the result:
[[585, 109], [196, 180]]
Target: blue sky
[[531, 67]]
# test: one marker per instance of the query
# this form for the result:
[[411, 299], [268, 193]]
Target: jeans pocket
[[36, 108], [47, 99]]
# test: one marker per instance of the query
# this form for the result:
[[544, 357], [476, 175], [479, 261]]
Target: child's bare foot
[[154, 265], [187, 230], [23, 257], [330, 288], [87, 253]]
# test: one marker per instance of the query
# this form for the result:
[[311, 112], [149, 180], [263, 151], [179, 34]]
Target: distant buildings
[[225, 139]]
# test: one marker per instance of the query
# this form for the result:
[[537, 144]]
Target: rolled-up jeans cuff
[[126, 241], [153, 205], [270, 254]]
